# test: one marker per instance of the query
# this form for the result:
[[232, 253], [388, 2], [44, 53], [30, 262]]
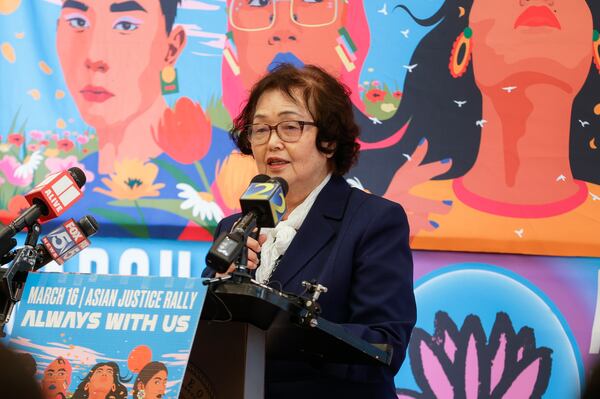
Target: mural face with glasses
[[267, 32]]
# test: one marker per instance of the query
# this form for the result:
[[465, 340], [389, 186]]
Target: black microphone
[[60, 244], [49, 199], [263, 205]]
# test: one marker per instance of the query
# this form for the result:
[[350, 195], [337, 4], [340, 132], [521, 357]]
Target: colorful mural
[[471, 115]]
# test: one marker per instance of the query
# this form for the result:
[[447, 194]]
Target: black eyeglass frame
[[248, 129]]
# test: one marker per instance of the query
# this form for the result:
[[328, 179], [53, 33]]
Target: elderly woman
[[298, 124]]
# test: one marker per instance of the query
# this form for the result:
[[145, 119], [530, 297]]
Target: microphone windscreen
[[262, 178], [283, 183], [78, 175], [88, 225]]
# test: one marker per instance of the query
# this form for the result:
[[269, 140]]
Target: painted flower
[[464, 363], [44, 142], [132, 180], [33, 147], [4, 147], [37, 135], [55, 165], [375, 83], [184, 133], [82, 139], [397, 94], [16, 206], [51, 152], [29, 166], [201, 203], [16, 139], [65, 145], [8, 166], [375, 95], [388, 107], [232, 177]]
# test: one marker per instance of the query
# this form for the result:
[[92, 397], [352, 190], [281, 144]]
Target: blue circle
[[484, 290]]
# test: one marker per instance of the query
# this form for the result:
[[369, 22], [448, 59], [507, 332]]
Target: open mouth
[[536, 16], [276, 162]]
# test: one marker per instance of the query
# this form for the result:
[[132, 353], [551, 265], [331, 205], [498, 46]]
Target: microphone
[[61, 244], [266, 200], [67, 240], [49, 199], [263, 205]]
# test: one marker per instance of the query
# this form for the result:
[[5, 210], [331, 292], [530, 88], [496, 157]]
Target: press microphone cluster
[[49, 199], [263, 205]]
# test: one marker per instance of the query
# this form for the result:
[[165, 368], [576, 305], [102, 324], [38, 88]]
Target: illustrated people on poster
[[510, 127], [103, 381], [113, 57], [57, 378], [118, 60], [151, 382], [335, 35]]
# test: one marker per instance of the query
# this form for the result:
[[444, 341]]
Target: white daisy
[[201, 203], [29, 166]]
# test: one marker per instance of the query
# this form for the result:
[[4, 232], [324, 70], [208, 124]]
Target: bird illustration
[[561, 178], [520, 232], [405, 33], [481, 122], [583, 123], [460, 103], [509, 89], [383, 10], [410, 67], [375, 120], [595, 197], [407, 156]]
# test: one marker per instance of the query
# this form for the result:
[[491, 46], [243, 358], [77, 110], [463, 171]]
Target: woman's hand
[[410, 174], [254, 247]]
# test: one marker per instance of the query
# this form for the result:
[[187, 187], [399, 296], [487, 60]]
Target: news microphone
[[49, 199], [266, 200], [64, 242], [263, 205]]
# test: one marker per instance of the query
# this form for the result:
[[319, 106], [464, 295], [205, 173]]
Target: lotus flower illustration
[[464, 363]]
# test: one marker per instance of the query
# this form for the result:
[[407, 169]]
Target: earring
[[141, 394], [346, 49], [230, 54], [596, 45], [460, 56], [168, 80]]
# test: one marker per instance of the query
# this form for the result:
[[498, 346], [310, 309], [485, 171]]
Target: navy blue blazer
[[355, 244]]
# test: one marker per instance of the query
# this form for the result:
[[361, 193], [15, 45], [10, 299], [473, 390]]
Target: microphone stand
[[14, 276]]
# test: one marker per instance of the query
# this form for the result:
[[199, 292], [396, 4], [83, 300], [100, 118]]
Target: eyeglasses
[[257, 15], [287, 131]]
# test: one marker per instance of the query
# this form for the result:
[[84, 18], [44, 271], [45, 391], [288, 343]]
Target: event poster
[[112, 335]]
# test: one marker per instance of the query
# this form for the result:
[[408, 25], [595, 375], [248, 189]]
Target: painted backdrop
[[481, 119]]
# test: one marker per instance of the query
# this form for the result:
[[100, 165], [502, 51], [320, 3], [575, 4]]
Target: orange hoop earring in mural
[[597, 49], [460, 56]]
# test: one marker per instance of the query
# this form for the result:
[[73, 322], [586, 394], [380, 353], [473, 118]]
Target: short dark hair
[[169, 10], [328, 102]]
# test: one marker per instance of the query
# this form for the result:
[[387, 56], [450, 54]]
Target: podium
[[244, 323]]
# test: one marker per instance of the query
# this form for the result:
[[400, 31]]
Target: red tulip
[[184, 133]]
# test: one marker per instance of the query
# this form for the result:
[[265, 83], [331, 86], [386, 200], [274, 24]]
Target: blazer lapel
[[317, 230]]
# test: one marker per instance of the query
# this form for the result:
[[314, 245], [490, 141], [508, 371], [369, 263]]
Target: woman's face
[[300, 163], [156, 386], [531, 39], [111, 53], [286, 40], [102, 380]]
